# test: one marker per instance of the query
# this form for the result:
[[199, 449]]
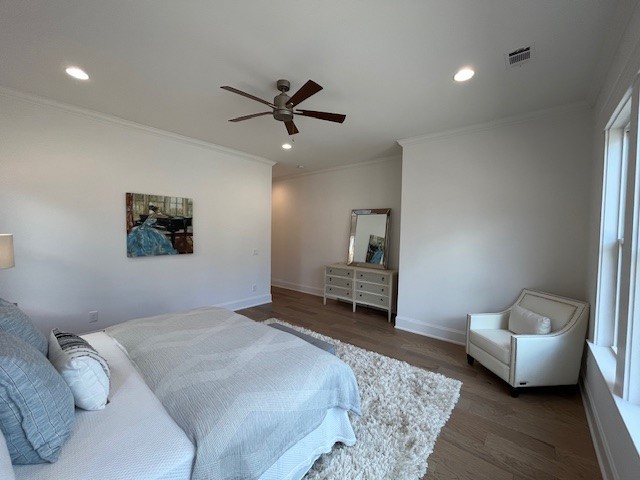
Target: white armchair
[[531, 360]]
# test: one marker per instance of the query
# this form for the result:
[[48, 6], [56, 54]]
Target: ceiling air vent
[[518, 57]]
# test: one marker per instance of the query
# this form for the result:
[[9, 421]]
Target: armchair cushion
[[525, 321], [496, 342]]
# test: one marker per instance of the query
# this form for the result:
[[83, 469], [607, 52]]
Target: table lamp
[[6, 250]]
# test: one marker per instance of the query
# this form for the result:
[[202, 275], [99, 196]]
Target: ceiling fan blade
[[308, 89], [331, 117], [248, 95], [247, 117], [291, 127]]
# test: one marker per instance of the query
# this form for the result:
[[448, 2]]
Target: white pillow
[[6, 469], [82, 368], [525, 321]]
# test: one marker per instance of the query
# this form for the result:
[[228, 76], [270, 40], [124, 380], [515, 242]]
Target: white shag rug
[[403, 410]]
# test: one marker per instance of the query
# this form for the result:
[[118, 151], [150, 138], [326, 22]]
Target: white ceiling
[[387, 65]]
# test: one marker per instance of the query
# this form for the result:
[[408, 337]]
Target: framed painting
[[158, 225]]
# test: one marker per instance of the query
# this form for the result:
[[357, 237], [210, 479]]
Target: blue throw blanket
[[243, 392]]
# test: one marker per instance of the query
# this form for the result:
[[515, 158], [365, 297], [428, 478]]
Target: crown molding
[[627, 57], [113, 120], [338, 168], [617, 28], [480, 127]]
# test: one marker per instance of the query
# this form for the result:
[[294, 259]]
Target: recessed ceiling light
[[286, 146], [464, 74], [77, 72]]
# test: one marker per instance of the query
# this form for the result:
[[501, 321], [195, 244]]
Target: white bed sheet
[[132, 438]]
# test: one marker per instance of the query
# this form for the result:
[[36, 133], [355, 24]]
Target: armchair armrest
[[552, 359], [476, 321]]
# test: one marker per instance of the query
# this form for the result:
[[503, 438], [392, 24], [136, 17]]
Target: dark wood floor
[[543, 434]]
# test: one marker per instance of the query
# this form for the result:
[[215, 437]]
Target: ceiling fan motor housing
[[282, 112]]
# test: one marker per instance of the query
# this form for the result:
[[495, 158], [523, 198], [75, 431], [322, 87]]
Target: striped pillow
[[84, 370]]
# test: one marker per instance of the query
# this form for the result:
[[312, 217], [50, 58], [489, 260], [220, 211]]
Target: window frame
[[617, 312]]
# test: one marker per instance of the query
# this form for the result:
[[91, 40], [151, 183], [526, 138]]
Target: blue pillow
[[17, 323], [36, 405]]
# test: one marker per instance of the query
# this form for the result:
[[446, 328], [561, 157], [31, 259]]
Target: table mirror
[[369, 238]]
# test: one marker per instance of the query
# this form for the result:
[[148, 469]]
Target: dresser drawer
[[372, 288], [338, 292], [340, 272], [373, 299], [339, 281], [374, 277]]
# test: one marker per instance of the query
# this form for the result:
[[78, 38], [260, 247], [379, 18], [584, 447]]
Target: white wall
[[489, 210], [312, 219], [63, 178], [619, 457]]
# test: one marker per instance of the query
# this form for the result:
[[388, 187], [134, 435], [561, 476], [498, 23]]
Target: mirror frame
[[352, 237]]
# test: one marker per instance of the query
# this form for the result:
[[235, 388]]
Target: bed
[[203, 394]]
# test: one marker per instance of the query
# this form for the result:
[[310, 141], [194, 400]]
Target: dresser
[[372, 287]]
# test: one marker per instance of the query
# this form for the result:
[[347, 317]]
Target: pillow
[[17, 323], [82, 368], [525, 321], [6, 469], [36, 405]]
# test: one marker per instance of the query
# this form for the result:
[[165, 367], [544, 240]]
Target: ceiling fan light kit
[[283, 105]]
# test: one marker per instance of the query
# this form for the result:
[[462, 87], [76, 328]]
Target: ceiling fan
[[283, 105]]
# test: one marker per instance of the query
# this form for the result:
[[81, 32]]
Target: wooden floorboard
[[543, 434]]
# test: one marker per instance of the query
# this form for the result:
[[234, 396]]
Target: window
[[622, 194], [618, 291], [612, 232]]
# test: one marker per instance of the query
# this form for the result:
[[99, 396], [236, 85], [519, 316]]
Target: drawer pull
[[382, 290]]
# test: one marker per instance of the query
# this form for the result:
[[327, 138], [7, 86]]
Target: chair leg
[[515, 392], [470, 359]]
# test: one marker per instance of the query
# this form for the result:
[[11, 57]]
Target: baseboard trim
[[600, 445], [297, 288], [246, 302], [429, 330]]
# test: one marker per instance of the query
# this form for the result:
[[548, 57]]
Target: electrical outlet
[[254, 287], [93, 316], [255, 252]]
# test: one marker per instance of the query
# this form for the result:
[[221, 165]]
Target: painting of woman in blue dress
[[145, 239], [158, 225], [375, 251]]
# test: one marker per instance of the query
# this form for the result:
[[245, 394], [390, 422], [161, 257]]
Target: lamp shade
[[6, 250]]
